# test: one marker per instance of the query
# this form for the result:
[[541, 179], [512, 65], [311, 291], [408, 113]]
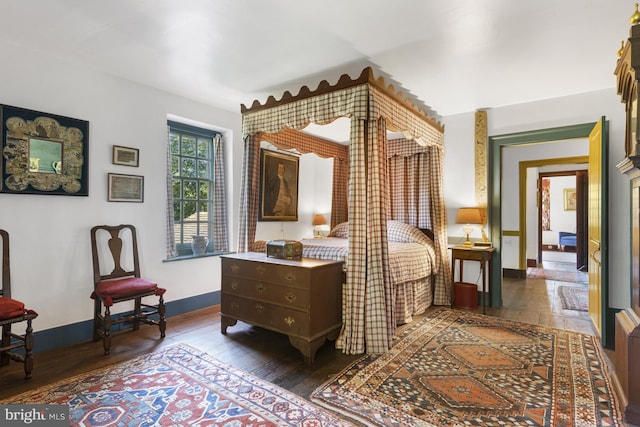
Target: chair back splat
[[121, 284], [14, 346]]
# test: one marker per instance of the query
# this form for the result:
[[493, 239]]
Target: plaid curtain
[[417, 199], [170, 245], [367, 312], [249, 193], [220, 235]]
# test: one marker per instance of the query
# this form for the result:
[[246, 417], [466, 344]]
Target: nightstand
[[482, 254]]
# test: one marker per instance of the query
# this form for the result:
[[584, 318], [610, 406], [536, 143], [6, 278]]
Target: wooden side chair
[[122, 283], [13, 311]]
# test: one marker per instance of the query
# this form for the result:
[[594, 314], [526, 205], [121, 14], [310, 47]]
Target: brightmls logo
[[34, 415]]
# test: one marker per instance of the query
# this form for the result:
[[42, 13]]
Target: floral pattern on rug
[[464, 369], [179, 386]]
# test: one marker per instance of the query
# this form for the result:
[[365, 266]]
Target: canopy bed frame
[[362, 194]]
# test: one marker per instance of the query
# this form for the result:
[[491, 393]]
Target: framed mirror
[[43, 153]]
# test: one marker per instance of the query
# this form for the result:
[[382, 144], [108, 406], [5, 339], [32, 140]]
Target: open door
[[597, 235]]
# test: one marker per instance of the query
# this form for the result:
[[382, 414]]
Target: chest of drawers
[[299, 298]]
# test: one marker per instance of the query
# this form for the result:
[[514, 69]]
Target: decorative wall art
[[125, 188], [125, 156], [570, 199], [278, 186], [43, 153]]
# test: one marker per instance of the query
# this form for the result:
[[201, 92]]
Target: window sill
[[190, 256]]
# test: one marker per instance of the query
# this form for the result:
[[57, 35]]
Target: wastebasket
[[465, 295]]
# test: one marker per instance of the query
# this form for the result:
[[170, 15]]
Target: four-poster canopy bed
[[370, 187]]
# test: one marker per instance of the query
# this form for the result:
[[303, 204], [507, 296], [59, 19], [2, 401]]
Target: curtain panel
[[220, 235], [417, 198]]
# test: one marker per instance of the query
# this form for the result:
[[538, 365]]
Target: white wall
[[50, 243], [571, 110]]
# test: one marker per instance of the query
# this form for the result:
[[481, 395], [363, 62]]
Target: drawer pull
[[290, 276], [291, 297], [261, 269], [235, 268], [234, 285], [259, 308], [260, 288], [289, 320], [234, 306]]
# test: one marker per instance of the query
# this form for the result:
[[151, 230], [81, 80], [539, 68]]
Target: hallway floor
[[537, 301]]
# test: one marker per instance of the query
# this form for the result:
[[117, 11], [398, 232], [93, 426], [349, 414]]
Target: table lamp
[[468, 216], [318, 221]]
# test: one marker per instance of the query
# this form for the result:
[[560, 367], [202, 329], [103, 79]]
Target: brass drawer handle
[[234, 285], [289, 320], [260, 288], [290, 276], [261, 269], [259, 308], [235, 268], [291, 297]]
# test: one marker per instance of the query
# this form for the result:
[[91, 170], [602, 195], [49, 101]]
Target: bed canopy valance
[[361, 179]]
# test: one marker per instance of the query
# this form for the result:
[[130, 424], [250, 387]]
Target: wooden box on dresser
[[299, 298]]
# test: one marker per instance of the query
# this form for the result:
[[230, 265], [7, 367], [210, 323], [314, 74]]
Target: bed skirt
[[412, 298]]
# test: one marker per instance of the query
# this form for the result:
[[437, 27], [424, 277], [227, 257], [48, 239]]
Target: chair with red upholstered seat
[[123, 283], [11, 312]]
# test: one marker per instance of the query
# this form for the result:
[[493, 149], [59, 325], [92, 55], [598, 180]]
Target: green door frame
[[494, 189]]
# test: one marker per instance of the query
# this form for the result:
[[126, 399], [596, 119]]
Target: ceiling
[[453, 56]]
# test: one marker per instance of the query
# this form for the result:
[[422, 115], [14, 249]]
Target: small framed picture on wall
[[126, 156]]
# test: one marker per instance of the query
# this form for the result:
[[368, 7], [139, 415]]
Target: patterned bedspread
[[407, 261]]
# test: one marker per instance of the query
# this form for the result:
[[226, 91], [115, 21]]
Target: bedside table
[[482, 254]]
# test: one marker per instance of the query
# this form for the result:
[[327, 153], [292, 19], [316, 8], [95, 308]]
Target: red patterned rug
[[465, 369], [180, 386]]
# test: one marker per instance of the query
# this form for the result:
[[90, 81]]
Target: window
[[192, 158]]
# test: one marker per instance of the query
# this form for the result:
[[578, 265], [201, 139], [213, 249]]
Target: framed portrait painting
[[278, 186], [43, 153]]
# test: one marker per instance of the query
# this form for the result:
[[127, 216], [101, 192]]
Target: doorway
[[597, 133], [562, 220]]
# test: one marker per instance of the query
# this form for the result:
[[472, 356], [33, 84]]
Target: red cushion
[[123, 288], [10, 308]]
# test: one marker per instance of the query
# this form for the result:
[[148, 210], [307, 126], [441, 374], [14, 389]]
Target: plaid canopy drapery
[[372, 108]]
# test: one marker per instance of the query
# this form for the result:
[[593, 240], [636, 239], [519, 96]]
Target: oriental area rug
[[457, 368], [180, 386]]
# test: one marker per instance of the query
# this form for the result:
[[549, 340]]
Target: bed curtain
[[417, 199], [367, 327]]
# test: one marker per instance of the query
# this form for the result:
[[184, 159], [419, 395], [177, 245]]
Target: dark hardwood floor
[[263, 353], [266, 354]]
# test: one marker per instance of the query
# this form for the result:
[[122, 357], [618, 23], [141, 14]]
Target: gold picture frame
[[43, 153], [570, 199], [278, 186]]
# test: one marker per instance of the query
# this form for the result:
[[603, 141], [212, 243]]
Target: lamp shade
[[319, 219], [468, 216]]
